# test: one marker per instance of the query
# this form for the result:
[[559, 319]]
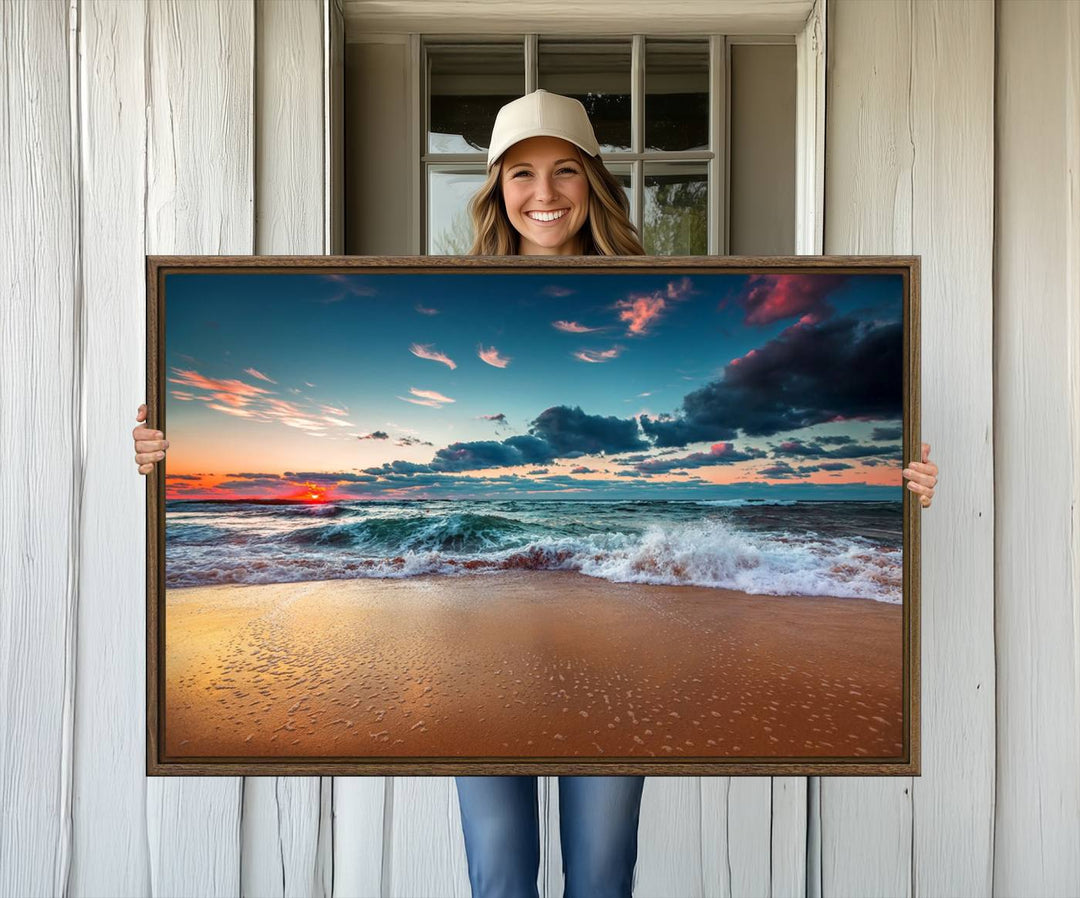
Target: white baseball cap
[[541, 114]]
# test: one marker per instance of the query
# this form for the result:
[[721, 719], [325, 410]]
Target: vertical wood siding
[[1037, 450], [40, 445], [169, 126], [909, 169], [285, 849], [108, 820], [199, 197]]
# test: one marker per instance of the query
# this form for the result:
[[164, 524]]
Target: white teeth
[[546, 216]]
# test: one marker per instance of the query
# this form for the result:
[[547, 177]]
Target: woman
[[548, 193]]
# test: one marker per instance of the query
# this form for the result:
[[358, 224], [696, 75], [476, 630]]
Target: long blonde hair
[[607, 231]]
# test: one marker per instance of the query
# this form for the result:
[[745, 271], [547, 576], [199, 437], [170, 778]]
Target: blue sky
[[276, 373]]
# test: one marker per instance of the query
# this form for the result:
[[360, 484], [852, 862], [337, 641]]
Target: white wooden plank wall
[[41, 433], [286, 827], [1037, 450], [868, 159], [199, 199], [175, 127], [108, 820], [909, 169]]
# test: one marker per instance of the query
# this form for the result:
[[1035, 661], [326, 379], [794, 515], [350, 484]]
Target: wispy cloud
[[348, 285], [234, 392], [244, 400], [556, 290], [641, 311], [430, 398], [424, 310], [492, 357], [259, 375], [427, 352], [572, 327], [597, 356]]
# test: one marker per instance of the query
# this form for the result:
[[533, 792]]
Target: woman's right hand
[[150, 445]]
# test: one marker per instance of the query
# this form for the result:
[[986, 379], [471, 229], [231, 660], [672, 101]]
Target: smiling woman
[[547, 191]]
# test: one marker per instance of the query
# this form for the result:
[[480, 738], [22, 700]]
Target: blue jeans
[[598, 822]]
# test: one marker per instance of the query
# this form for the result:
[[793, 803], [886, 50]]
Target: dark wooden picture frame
[[494, 626]]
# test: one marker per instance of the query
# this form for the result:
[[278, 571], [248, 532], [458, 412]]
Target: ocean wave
[[708, 553], [455, 532]]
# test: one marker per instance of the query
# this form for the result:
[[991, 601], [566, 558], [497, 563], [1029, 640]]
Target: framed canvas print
[[563, 515]]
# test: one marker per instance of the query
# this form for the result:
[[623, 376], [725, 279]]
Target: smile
[[547, 216]]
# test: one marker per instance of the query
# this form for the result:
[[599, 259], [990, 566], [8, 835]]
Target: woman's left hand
[[922, 477]]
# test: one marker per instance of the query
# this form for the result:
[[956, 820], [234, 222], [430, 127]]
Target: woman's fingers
[[920, 476], [151, 445], [926, 493]]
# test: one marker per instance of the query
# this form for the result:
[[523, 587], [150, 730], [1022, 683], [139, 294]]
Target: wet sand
[[531, 664]]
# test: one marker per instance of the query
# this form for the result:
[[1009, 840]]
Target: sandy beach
[[527, 664]]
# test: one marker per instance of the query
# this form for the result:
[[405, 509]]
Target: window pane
[[449, 191], [676, 209], [467, 84], [623, 175], [676, 95], [597, 74]]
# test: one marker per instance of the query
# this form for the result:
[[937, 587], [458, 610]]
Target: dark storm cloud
[[557, 432], [834, 466], [780, 469], [329, 477], [809, 374], [719, 454], [375, 435], [887, 433], [249, 476], [398, 467], [835, 440], [799, 449], [772, 297], [571, 430]]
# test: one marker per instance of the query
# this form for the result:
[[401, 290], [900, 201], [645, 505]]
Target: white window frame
[[809, 40]]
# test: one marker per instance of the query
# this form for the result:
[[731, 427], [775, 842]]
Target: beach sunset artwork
[[533, 514]]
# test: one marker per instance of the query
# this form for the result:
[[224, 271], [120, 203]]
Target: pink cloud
[[243, 400], [771, 297], [642, 310], [259, 375], [492, 357], [430, 398], [424, 310], [596, 356], [749, 355], [572, 327], [426, 352], [239, 412], [234, 388]]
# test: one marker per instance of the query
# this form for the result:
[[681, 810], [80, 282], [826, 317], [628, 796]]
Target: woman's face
[[546, 195]]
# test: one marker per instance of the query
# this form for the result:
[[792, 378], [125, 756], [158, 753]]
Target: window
[[659, 107], [699, 129]]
